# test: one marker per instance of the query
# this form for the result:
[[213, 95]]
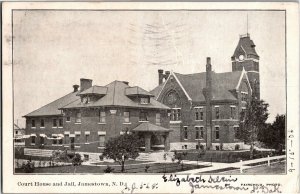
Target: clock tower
[[245, 57]]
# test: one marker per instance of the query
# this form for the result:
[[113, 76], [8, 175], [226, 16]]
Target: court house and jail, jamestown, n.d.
[[182, 112]]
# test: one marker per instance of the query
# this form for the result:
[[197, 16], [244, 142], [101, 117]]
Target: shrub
[[237, 147], [201, 147], [28, 167], [146, 168], [76, 161], [108, 169]]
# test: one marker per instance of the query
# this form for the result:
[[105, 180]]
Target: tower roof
[[247, 46]]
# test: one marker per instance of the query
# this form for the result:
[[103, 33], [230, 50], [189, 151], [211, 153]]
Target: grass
[[139, 168], [117, 163]]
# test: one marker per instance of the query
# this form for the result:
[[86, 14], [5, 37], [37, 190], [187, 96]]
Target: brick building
[[206, 107], [85, 119]]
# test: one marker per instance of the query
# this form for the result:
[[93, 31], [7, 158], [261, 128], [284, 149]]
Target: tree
[[274, 135], [122, 148], [253, 119]]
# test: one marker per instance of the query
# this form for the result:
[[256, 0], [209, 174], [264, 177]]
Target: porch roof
[[149, 127]]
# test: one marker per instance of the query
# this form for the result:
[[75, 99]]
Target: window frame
[[145, 114], [78, 117], [102, 116], [101, 144], [158, 118], [33, 125], [126, 116], [185, 133], [42, 123], [217, 132], [54, 123]]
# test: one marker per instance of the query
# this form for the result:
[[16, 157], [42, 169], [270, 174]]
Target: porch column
[[167, 142], [147, 142]]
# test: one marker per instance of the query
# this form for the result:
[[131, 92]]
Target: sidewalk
[[218, 166]]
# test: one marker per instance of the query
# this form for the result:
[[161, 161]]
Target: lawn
[[138, 168]]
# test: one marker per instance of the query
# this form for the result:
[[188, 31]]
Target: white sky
[[54, 49]]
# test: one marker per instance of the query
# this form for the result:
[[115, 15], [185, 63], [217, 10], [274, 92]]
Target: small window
[[243, 113], [42, 123], [60, 122], [157, 118], [68, 119], [54, 140], [217, 133], [185, 132], [17, 132], [102, 117], [217, 112], [232, 112], [236, 132], [143, 116], [201, 132], [54, 123], [175, 115], [126, 117], [145, 100], [197, 115], [101, 140], [66, 139], [77, 138], [32, 123], [197, 130], [32, 139], [201, 114], [87, 138], [78, 117], [60, 141]]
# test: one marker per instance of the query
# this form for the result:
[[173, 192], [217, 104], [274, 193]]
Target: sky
[[54, 49]]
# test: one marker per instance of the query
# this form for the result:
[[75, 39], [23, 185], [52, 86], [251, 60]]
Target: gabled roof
[[116, 96], [97, 90], [193, 84], [149, 127], [133, 91], [52, 108], [247, 45]]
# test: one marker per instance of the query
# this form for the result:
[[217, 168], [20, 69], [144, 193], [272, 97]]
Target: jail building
[[85, 119]]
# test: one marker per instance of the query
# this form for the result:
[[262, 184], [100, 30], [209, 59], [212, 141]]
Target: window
[[54, 123], [244, 96], [42, 140], [42, 123], [232, 112], [126, 117], [102, 117], [217, 133], [68, 118], [66, 139], [185, 132], [17, 132], [201, 132], [157, 118], [199, 114], [175, 115], [60, 122], [54, 140], [143, 116], [60, 141], [87, 138], [33, 140], [32, 123], [101, 140], [236, 132], [197, 132], [78, 117], [77, 138], [217, 109], [145, 100], [243, 114]]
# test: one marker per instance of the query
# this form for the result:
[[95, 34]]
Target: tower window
[[217, 112], [217, 133], [185, 132]]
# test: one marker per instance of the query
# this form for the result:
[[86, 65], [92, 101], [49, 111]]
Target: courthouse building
[[86, 118], [206, 107]]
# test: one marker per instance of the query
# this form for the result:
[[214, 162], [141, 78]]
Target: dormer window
[[145, 100], [85, 99]]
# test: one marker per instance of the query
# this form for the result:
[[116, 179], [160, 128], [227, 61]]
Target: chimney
[[85, 84], [167, 73], [160, 76], [207, 92], [75, 87]]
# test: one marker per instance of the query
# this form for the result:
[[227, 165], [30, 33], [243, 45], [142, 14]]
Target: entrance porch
[[147, 129]]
